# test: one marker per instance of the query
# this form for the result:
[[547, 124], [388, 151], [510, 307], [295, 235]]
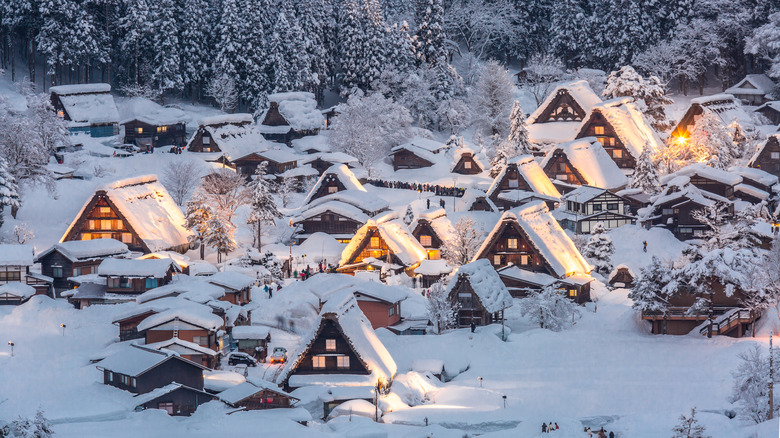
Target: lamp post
[[63, 328], [480, 381], [771, 380], [504, 397], [454, 192], [12, 347]]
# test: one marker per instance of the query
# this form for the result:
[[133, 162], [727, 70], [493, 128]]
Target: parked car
[[279, 355], [237, 357]]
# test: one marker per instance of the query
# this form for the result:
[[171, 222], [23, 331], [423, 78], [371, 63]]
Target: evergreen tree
[[409, 216], [568, 32], [649, 94], [645, 175], [549, 308], [135, 28], [197, 215], [317, 22], [648, 291], [263, 206], [259, 62], [689, 427], [711, 142], [221, 236], [442, 311], [599, 249], [400, 48], [518, 131], [231, 54], [287, 55], [9, 191], [430, 39], [195, 46], [352, 43], [166, 73]]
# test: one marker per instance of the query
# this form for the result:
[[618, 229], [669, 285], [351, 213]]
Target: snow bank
[[16, 255]]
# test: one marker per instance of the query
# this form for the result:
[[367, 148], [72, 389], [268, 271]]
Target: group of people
[[435, 188], [547, 428], [601, 433]]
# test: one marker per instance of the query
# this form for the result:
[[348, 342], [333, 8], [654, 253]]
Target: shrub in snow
[[263, 207], [464, 242], [274, 267], [599, 249], [23, 233], [549, 308], [689, 427], [442, 312], [751, 384], [38, 427]]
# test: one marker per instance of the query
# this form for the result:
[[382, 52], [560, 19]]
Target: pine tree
[[518, 131], [409, 216], [135, 30], [599, 249], [258, 64], [649, 93], [166, 73], [221, 236], [195, 45], [289, 63], [352, 42], [400, 48], [648, 291], [645, 175], [263, 206], [689, 427], [549, 308], [197, 215], [429, 38], [317, 22], [9, 191], [230, 59], [569, 31]]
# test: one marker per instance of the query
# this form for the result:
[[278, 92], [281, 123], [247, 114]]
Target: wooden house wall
[[265, 399], [330, 184], [679, 220], [248, 165], [203, 142], [157, 335], [128, 328], [56, 259], [185, 401], [609, 220], [101, 219], [138, 285], [609, 140], [712, 186], [273, 117], [559, 168], [470, 310], [330, 223], [404, 159], [480, 204], [771, 114], [623, 276], [769, 158], [499, 253], [563, 108], [329, 330], [688, 120], [59, 108], [461, 167], [160, 135], [378, 313], [13, 274]]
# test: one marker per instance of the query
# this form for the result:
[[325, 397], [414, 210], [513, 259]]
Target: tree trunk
[[11, 53], [202, 249], [259, 235]]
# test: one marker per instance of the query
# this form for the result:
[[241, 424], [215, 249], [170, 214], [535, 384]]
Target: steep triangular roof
[[342, 308], [546, 235], [579, 91], [532, 174], [629, 125], [759, 84], [591, 162], [486, 283], [342, 173], [397, 237]]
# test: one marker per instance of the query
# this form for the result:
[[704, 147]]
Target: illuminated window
[[162, 129], [105, 225], [139, 130], [511, 243], [332, 189], [425, 240], [330, 344], [562, 177], [375, 242], [127, 238], [318, 362], [342, 361], [496, 259], [617, 153], [104, 211], [524, 260], [86, 236], [91, 224], [572, 292], [602, 140], [599, 130], [612, 141], [60, 113], [467, 164]]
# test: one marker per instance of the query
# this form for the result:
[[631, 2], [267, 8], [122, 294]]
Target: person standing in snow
[[644, 246], [473, 327], [428, 204], [550, 427], [602, 434], [544, 427], [556, 426], [611, 434]]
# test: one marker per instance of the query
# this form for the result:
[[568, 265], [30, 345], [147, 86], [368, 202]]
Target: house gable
[[511, 245], [598, 126], [330, 184], [405, 159], [466, 165], [372, 245], [563, 108], [273, 117], [768, 158], [101, 219], [512, 179], [559, 168]]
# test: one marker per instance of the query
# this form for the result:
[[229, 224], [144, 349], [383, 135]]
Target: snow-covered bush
[[550, 309], [649, 93], [442, 312], [751, 384], [599, 249], [689, 427]]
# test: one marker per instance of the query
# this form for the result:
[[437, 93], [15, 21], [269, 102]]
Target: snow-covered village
[[390, 218]]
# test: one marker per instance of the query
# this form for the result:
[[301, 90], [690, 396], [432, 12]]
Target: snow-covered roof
[[337, 207], [343, 174], [760, 176], [200, 316], [317, 143], [366, 202], [147, 111], [425, 154], [629, 125], [397, 237], [242, 391], [752, 191], [17, 289], [425, 144], [231, 280], [514, 272], [237, 140], [189, 288], [299, 108], [591, 161], [236, 119], [479, 157], [486, 283], [580, 91], [433, 267], [701, 170], [181, 346], [156, 268], [470, 196], [330, 157], [79, 250], [357, 331], [255, 332], [774, 138], [546, 235], [617, 269], [276, 155], [772, 104], [149, 210], [16, 255], [134, 360], [88, 103], [759, 84], [726, 107], [531, 172], [583, 194]]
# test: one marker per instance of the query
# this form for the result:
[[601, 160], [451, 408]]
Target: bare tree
[[223, 89], [225, 191], [689, 427], [462, 246], [541, 74], [180, 178], [287, 188], [441, 311]]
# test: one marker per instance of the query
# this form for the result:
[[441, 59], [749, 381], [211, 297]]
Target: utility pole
[[771, 380]]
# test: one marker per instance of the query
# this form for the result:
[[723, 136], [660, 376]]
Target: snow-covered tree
[[23, 233], [515, 145], [483, 26], [442, 311], [274, 267], [197, 216], [220, 235], [464, 243], [231, 57], [263, 207], [290, 65], [764, 42], [648, 291], [541, 74], [368, 127], [689, 427], [38, 427], [453, 114], [751, 385], [225, 191], [409, 216], [9, 191], [180, 177], [549, 308], [569, 29], [430, 39], [287, 188], [649, 93], [222, 87], [711, 142], [166, 64], [362, 44], [196, 44], [492, 98], [135, 36], [645, 175], [599, 249], [318, 22]]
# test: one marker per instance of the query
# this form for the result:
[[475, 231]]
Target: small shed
[[753, 89], [290, 116], [256, 394], [175, 399], [621, 277], [480, 293], [252, 339], [87, 108], [15, 293]]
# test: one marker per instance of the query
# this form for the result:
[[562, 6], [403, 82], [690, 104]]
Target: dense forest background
[[246, 49]]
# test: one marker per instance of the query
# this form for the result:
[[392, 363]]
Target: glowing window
[[105, 225], [162, 129], [139, 130], [467, 164], [330, 344], [333, 189], [572, 292], [497, 260], [342, 361], [599, 130], [375, 242], [127, 238], [617, 153], [318, 362], [524, 260], [511, 243], [425, 240]]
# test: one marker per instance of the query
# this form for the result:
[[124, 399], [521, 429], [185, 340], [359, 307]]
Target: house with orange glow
[[521, 181], [387, 245], [724, 106], [432, 228]]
